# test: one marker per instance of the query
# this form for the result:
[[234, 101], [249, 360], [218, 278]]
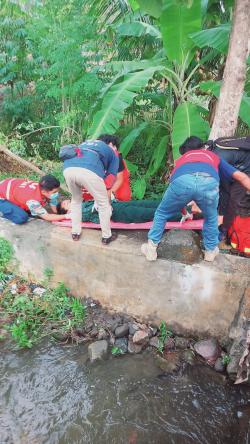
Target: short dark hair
[[191, 143], [60, 209], [49, 183], [109, 138]]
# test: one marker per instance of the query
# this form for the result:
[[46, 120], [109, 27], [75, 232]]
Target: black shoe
[[75, 236], [107, 240]]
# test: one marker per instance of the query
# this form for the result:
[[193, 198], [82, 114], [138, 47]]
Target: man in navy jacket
[[233, 196], [92, 165]]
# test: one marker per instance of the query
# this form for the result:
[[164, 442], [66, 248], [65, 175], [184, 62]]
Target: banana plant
[[173, 24], [176, 27], [118, 98]]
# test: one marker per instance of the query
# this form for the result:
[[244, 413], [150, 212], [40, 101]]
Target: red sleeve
[[109, 181]]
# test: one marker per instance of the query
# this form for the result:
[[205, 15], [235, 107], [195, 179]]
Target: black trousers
[[233, 201]]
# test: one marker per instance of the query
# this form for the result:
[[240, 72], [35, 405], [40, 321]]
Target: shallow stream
[[53, 395]]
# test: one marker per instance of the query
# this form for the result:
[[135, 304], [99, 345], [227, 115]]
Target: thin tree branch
[[49, 127]]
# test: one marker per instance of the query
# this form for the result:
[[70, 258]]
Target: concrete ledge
[[196, 299]]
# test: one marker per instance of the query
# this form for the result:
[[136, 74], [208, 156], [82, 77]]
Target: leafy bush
[[18, 146], [164, 334]]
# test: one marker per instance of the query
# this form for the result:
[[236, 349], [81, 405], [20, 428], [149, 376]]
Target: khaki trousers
[[78, 178]]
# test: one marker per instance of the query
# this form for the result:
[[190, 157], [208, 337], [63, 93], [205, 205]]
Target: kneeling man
[[20, 198]]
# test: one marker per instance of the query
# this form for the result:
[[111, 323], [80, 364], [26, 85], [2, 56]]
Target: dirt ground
[[11, 167]]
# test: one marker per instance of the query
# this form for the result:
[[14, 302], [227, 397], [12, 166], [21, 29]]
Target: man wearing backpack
[[233, 196], [92, 165], [121, 189]]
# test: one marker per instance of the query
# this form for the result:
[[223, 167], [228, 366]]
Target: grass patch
[[29, 315], [32, 317]]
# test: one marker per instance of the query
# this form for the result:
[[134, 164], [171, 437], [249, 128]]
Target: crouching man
[[20, 198], [93, 165], [195, 177]]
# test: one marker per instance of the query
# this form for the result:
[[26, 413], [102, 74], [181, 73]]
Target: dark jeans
[[224, 196], [12, 212]]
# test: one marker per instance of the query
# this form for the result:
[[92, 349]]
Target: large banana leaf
[[216, 38], [128, 142], [158, 157], [204, 5], [134, 5], [118, 98], [138, 29], [133, 168], [155, 98], [125, 66], [245, 109], [139, 188], [187, 122], [150, 7], [213, 88], [177, 21]]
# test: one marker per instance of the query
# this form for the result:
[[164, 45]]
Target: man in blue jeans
[[195, 177]]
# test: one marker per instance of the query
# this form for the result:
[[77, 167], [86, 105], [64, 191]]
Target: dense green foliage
[[6, 254], [148, 71]]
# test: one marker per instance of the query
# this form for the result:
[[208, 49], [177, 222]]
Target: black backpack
[[233, 143]]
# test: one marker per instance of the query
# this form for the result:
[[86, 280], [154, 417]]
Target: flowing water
[[53, 395]]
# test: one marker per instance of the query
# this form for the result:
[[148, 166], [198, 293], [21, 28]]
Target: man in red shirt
[[196, 176], [20, 198], [121, 189]]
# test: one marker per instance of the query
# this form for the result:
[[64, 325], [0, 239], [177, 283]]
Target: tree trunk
[[227, 109], [21, 161]]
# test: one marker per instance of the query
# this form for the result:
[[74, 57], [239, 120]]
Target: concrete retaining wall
[[197, 299]]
